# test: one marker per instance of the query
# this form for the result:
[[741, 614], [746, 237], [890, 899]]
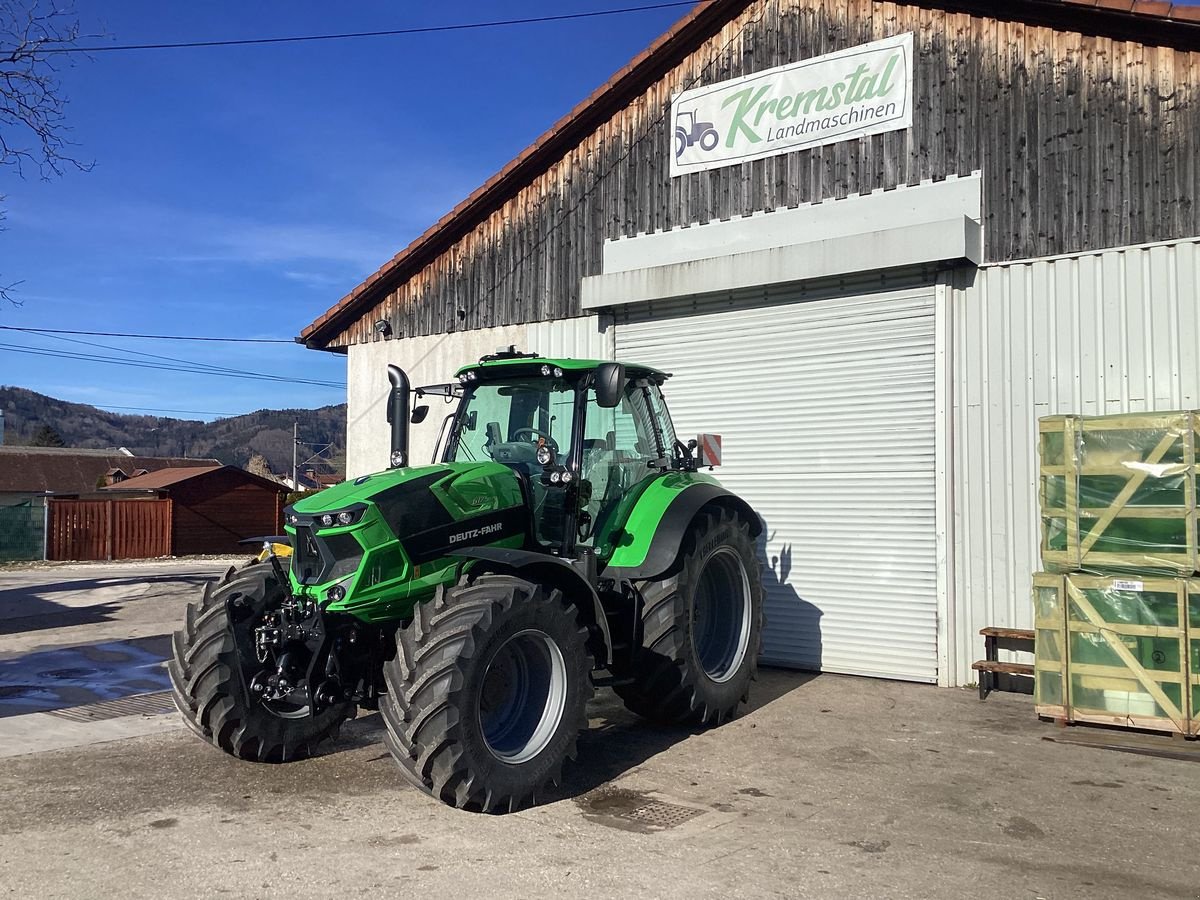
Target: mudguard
[[661, 526], [527, 561]]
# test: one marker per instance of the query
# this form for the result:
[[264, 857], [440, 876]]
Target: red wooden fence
[[109, 529]]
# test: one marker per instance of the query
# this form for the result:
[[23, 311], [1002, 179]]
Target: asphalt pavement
[[827, 787], [77, 641]]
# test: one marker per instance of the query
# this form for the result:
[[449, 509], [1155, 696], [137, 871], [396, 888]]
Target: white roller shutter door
[[827, 411]]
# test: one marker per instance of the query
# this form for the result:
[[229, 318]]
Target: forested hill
[[30, 418]]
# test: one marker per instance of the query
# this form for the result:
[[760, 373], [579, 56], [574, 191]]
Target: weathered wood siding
[[214, 512], [1084, 142]]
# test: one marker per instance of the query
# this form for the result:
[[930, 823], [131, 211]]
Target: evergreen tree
[[46, 436]]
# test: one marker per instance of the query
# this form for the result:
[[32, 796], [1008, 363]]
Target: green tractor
[[566, 540]]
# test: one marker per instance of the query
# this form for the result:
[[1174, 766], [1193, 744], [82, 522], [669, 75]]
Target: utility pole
[[297, 462]]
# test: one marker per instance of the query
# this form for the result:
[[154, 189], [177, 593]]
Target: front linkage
[[298, 660]]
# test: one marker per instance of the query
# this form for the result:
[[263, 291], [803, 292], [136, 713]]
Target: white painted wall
[[1106, 332], [432, 360]]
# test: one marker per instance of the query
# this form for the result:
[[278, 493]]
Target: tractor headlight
[[558, 373], [545, 370], [340, 518], [555, 477], [544, 455], [566, 477], [397, 459]]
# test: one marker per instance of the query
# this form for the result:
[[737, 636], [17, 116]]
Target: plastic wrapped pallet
[[1050, 641], [1118, 493], [1193, 660], [1131, 650]]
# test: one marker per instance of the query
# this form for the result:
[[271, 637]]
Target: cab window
[[619, 446]]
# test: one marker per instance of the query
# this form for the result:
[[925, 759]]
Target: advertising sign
[[837, 97]]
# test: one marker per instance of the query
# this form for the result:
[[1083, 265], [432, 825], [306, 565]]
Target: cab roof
[[505, 362]]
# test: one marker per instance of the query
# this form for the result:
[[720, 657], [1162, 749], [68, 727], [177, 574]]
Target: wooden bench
[[991, 666]]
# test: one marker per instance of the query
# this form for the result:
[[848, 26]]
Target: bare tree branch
[[33, 125]]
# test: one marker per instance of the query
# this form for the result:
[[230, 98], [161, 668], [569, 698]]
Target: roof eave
[[1154, 23], [627, 82]]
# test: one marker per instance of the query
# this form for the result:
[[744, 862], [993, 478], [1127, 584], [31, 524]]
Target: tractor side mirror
[[610, 384], [419, 413]]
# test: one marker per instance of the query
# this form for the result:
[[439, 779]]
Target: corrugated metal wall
[[1107, 332]]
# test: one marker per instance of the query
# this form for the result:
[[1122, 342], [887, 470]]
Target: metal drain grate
[[156, 704], [657, 814]]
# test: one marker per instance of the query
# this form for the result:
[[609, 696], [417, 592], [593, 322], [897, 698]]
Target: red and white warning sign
[[709, 448]]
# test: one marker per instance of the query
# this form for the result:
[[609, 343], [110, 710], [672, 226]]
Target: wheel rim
[[721, 614], [287, 708], [523, 696]]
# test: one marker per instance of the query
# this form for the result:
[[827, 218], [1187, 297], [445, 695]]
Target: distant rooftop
[[65, 470], [167, 478]]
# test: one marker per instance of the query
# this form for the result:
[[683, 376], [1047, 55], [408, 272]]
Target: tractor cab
[[581, 435]]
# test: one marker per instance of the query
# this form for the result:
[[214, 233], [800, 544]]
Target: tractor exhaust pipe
[[397, 416]]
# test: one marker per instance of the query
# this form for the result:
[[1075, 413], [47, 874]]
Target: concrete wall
[[1113, 331], [433, 360]]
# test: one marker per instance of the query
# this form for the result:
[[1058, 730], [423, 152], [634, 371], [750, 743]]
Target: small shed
[[212, 509]]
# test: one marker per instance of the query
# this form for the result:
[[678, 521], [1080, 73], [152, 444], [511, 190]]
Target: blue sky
[[243, 190]]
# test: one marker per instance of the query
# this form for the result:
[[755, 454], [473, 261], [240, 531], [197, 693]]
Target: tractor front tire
[[487, 693], [206, 681], [701, 629]]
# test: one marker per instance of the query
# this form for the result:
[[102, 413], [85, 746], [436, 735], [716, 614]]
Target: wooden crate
[[1193, 658], [1118, 493], [1049, 645], [1127, 652]]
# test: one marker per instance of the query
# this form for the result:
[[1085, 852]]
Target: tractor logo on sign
[[688, 131]]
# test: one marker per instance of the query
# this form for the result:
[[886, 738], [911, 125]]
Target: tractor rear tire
[[207, 684], [701, 629], [487, 693]]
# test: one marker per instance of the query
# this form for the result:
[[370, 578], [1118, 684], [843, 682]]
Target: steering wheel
[[533, 434]]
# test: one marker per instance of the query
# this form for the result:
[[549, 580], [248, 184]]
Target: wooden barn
[[212, 509], [874, 242]]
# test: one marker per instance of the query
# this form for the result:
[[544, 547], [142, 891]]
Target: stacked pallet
[[1117, 611]]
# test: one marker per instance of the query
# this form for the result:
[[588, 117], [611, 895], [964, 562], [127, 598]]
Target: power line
[[90, 357], [173, 359], [154, 337], [191, 412], [647, 133], [427, 29]]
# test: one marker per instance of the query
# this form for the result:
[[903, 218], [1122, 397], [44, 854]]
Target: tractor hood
[[379, 540], [412, 501], [365, 487]]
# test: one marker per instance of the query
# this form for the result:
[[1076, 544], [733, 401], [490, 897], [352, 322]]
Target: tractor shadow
[[618, 741]]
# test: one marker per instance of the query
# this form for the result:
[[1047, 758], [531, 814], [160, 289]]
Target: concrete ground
[[827, 787], [78, 634]]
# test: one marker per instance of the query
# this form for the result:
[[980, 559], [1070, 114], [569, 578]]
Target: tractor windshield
[[508, 422]]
